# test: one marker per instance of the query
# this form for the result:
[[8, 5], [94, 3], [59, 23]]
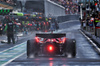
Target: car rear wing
[[54, 35]]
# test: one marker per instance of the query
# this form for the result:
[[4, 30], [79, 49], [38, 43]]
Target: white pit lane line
[[90, 41], [12, 59], [12, 53]]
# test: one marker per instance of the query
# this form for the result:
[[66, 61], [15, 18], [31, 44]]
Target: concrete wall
[[35, 6], [49, 8], [67, 18], [53, 9]]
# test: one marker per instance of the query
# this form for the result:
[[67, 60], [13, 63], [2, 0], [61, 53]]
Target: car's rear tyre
[[70, 48], [31, 48]]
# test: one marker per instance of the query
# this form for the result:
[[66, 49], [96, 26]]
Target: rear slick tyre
[[31, 48], [71, 48]]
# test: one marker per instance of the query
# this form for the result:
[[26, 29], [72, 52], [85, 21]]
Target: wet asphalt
[[86, 55]]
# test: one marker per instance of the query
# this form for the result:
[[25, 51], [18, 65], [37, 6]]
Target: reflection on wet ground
[[86, 55]]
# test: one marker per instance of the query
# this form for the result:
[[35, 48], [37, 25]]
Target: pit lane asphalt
[[21, 39], [86, 55]]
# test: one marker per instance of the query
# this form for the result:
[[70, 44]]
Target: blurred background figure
[[1, 28], [25, 30], [10, 31], [52, 27]]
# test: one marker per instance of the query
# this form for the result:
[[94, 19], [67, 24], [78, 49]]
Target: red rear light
[[64, 39], [50, 48], [49, 40], [52, 40], [37, 39]]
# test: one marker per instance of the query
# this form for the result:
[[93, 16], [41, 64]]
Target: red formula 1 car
[[48, 44]]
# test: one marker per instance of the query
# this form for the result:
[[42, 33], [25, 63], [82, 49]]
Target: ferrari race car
[[51, 44]]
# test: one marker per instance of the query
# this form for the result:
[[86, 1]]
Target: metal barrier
[[67, 18], [87, 28], [98, 31], [90, 29]]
